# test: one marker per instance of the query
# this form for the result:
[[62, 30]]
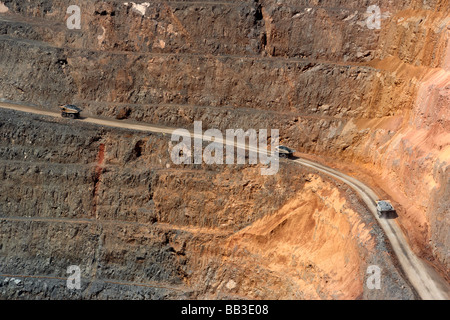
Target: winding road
[[426, 281]]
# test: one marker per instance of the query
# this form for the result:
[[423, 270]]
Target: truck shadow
[[390, 215]]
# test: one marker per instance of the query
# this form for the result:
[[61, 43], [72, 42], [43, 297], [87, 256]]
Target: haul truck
[[284, 152], [385, 209], [70, 111]]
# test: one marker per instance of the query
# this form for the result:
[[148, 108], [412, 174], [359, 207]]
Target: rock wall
[[377, 99], [111, 202]]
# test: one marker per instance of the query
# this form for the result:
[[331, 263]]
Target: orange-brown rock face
[[315, 240], [409, 152]]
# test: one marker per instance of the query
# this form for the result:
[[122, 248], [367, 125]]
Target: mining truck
[[284, 152], [70, 111], [385, 209]]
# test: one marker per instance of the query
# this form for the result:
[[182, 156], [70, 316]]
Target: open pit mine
[[99, 199]]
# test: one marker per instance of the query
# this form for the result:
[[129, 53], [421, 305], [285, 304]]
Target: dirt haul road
[[425, 280]]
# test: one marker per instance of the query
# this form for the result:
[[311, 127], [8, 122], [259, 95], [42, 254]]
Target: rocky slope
[[111, 202], [378, 99]]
